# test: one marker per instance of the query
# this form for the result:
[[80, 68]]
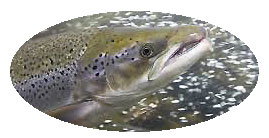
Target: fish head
[[154, 59]]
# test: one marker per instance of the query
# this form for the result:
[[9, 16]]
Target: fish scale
[[48, 90], [43, 70], [46, 54]]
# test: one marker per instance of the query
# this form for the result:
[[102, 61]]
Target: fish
[[82, 77]]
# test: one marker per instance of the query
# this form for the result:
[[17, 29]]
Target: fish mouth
[[180, 57], [186, 47]]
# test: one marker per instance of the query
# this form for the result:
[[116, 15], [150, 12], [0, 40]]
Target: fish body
[[73, 75]]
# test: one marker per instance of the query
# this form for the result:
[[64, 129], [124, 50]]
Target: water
[[210, 88]]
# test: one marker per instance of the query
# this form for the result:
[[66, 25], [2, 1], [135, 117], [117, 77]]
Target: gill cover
[[132, 69]]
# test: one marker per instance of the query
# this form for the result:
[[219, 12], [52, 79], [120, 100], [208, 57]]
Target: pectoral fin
[[86, 113]]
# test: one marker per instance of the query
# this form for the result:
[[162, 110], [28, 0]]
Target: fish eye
[[146, 50]]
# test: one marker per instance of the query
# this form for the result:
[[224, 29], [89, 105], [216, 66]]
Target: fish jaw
[[166, 67]]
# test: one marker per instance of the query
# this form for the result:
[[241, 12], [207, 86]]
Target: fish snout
[[197, 36]]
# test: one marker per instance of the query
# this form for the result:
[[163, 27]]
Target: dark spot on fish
[[53, 77], [46, 80], [96, 60], [94, 67], [100, 55], [133, 58], [102, 63], [24, 67], [71, 50], [131, 39], [116, 56], [85, 68], [62, 72], [43, 94], [51, 61], [97, 74], [122, 54], [107, 64], [33, 85]]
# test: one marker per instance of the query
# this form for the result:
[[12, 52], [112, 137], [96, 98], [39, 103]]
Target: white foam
[[175, 101], [183, 86], [240, 88]]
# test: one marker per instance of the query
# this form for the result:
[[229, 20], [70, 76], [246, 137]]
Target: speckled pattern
[[212, 86]]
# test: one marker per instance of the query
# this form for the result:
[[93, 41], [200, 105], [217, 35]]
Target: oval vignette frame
[[208, 89]]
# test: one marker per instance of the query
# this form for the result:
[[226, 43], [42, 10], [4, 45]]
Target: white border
[[21, 19]]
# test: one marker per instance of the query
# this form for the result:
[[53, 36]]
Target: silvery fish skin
[[73, 75]]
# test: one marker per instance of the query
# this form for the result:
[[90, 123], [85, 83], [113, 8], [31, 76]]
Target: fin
[[86, 113]]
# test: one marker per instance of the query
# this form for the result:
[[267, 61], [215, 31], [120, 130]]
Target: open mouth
[[181, 56], [186, 47]]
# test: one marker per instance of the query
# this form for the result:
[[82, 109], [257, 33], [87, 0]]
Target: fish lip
[[179, 51]]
